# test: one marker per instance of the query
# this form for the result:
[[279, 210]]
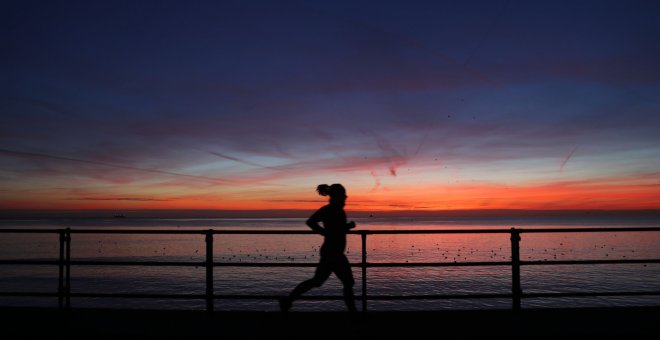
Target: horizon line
[[294, 213]]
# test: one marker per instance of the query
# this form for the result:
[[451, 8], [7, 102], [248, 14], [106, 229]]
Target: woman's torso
[[334, 223]]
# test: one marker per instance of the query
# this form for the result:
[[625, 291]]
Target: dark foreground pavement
[[622, 323]]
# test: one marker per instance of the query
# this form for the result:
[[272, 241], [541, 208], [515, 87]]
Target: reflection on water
[[445, 248]]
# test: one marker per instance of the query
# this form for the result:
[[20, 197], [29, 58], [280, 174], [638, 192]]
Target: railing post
[[60, 282], [209, 270], [516, 289], [364, 271], [67, 286]]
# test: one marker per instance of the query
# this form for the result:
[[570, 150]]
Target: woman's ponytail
[[323, 189], [334, 191]]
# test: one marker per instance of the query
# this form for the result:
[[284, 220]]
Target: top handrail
[[356, 232]]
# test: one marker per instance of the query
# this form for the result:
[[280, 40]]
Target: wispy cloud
[[393, 156], [16, 153], [563, 163], [240, 160], [137, 199]]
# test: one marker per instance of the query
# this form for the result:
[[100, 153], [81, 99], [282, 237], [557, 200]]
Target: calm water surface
[[304, 249]]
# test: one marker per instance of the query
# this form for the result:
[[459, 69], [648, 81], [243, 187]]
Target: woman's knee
[[316, 282]]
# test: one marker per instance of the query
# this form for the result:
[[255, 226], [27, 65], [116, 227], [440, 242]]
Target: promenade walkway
[[621, 323]]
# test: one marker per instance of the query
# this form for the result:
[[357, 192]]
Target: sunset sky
[[412, 105]]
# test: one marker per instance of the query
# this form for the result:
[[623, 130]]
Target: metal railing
[[65, 262]]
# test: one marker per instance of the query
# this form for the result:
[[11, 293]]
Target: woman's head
[[337, 192]]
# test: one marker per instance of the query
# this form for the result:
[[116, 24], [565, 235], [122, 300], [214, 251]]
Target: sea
[[304, 248]]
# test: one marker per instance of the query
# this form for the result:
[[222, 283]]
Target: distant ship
[[120, 215]]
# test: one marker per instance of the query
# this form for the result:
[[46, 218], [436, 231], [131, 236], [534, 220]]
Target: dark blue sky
[[152, 101]]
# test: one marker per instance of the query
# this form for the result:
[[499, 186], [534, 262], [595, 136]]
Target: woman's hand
[[350, 225]]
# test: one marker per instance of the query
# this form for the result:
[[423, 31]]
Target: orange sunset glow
[[252, 109]]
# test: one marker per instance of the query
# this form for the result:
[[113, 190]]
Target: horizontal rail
[[29, 262], [587, 230], [259, 297], [354, 232], [307, 264], [139, 295], [134, 263], [371, 297], [503, 263], [501, 231], [589, 294], [333, 297], [573, 262], [33, 294]]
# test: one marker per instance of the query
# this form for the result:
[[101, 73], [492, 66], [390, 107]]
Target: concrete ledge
[[42, 323]]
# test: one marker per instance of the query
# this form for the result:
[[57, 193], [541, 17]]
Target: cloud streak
[[136, 199], [16, 153], [563, 163], [242, 161]]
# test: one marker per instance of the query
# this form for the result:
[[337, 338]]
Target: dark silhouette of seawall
[[45, 323]]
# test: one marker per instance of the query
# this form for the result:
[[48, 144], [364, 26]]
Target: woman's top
[[334, 229]]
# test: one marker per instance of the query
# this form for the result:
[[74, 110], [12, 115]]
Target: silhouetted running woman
[[332, 251]]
